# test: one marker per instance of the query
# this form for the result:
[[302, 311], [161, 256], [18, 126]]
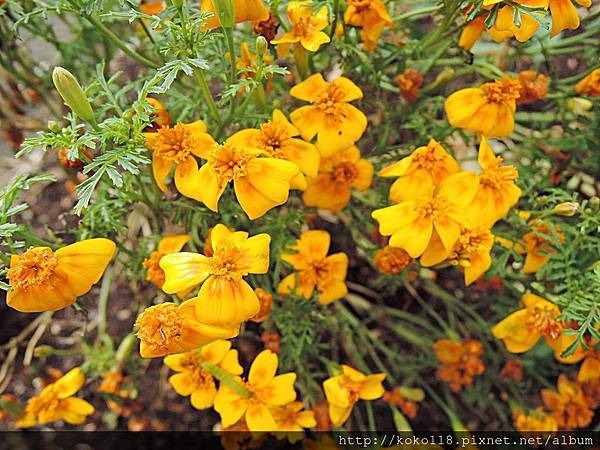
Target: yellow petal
[[187, 181], [160, 170], [183, 383], [263, 369], [258, 418], [209, 184], [225, 302], [564, 16], [281, 389], [184, 270], [203, 397], [229, 405], [172, 244], [309, 89], [69, 383], [215, 352], [513, 330], [372, 387]]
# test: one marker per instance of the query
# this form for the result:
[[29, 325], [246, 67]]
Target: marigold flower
[[538, 247], [56, 402], [291, 421], [411, 223], [372, 16], [177, 146], [170, 328], [272, 341], [471, 252], [488, 109], [512, 370], [534, 87], [459, 362], [590, 85], [277, 138], [568, 405], [168, 244], [247, 61], [244, 11], [405, 398], [534, 421], [193, 379], [338, 174], [391, 260], [224, 298], [45, 280], [344, 390], [161, 115], [305, 27], [409, 83], [425, 167], [472, 32], [590, 367], [315, 269], [260, 181], [505, 26], [265, 392], [266, 302], [336, 123], [564, 15]]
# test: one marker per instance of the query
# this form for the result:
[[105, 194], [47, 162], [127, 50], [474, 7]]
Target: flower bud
[[442, 77], [225, 13], [53, 126], [261, 45], [566, 209], [69, 89], [579, 105], [42, 351]]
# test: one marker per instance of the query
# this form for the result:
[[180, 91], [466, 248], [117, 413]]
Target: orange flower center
[[191, 362], [331, 100], [345, 172], [173, 143], [272, 138], [229, 162], [498, 177], [155, 274], [225, 263], [543, 319], [427, 158], [317, 273], [435, 208], [469, 244], [33, 268], [44, 406], [301, 27], [159, 326], [502, 91]]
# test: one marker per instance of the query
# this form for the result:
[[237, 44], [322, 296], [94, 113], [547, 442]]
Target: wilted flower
[[568, 405], [391, 260], [459, 362], [409, 83], [534, 87]]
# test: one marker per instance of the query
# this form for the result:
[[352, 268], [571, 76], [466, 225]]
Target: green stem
[[210, 101], [417, 12], [103, 302], [227, 379], [231, 46], [124, 351]]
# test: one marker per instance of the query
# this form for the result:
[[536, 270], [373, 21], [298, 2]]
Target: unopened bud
[[261, 45], [53, 126], [567, 209], [69, 89], [579, 105], [339, 30], [43, 350], [442, 77]]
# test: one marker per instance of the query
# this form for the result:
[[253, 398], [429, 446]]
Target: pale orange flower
[[590, 85]]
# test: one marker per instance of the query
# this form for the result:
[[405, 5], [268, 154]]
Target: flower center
[[301, 26], [225, 263], [498, 177], [159, 326], [34, 267], [502, 91], [361, 5], [345, 172], [272, 138], [331, 100], [155, 274], [427, 158], [543, 319], [469, 244], [191, 362], [229, 162], [435, 208], [44, 406], [173, 143], [317, 273]]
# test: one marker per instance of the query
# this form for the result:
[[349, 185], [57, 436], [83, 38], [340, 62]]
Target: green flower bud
[[261, 45], [579, 105], [69, 89], [566, 209], [53, 126]]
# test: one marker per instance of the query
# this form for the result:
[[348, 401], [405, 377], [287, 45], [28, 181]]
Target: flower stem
[[103, 302], [227, 379], [301, 56], [210, 101], [231, 47]]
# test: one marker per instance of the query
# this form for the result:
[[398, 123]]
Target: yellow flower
[[471, 252], [504, 27], [337, 175], [170, 328], [264, 389], [564, 15], [178, 145], [247, 61], [277, 138], [291, 420], [534, 421], [522, 329], [168, 244], [44, 280], [315, 269], [193, 379], [488, 109], [590, 85], [224, 298], [372, 16], [336, 123], [590, 367], [411, 223], [343, 391], [305, 28], [538, 247], [260, 181], [425, 167], [244, 11], [471, 33], [497, 189], [56, 402]]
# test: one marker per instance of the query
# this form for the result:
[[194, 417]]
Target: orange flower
[[568, 405], [590, 367], [425, 167], [177, 146], [372, 16], [405, 398], [305, 27], [315, 269], [459, 362], [266, 301], [409, 83], [391, 260], [472, 32], [168, 244], [534, 86], [272, 341], [513, 369], [590, 85], [152, 7], [336, 123], [111, 384], [564, 15], [539, 247], [338, 174], [488, 109], [44, 280], [162, 118], [244, 11], [534, 421]]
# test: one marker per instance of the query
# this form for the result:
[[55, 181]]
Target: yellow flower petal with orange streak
[[203, 397], [281, 389], [314, 243], [184, 270], [338, 414], [256, 254], [326, 194], [183, 383], [315, 41], [513, 330], [160, 170], [413, 238], [308, 90], [351, 91], [396, 217], [231, 363], [289, 283], [504, 123], [534, 262], [560, 344], [172, 243], [397, 169], [222, 301], [230, 406], [365, 175], [486, 156], [308, 119], [332, 291], [40, 298], [564, 16], [505, 22], [589, 370], [460, 189], [448, 230], [258, 418], [186, 179], [479, 264], [435, 252], [471, 33], [335, 136], [212, 189], [263, 369], [462, 105], [335, 391], [69, 383], [215, 352], [411, 186]]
